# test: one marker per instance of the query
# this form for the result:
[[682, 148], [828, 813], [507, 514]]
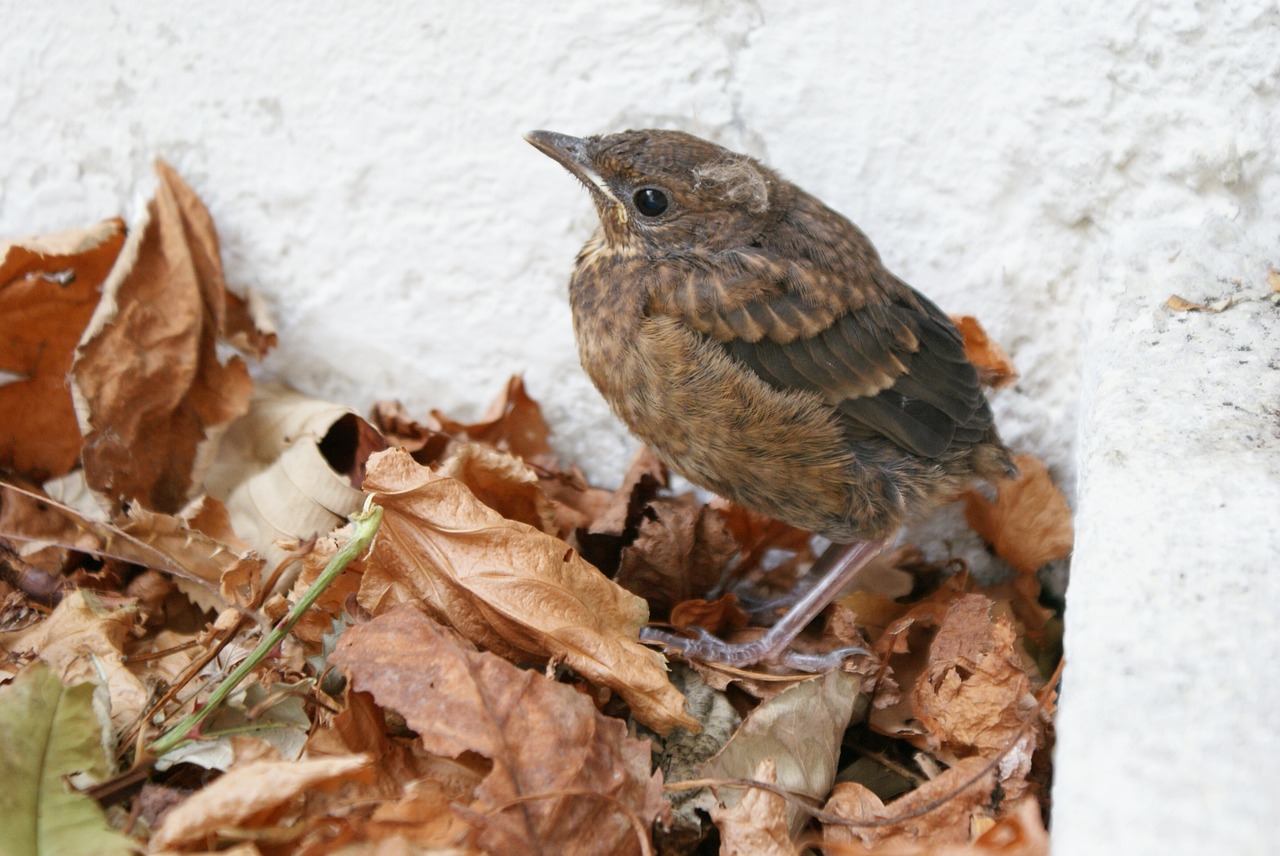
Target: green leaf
[[48, 732]]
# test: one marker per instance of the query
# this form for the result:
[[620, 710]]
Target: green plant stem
[[365, 525]]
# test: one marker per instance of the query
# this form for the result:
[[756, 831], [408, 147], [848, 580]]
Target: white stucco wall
[[1056, 171]]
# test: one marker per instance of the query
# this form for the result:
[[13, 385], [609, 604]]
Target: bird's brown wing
[[889, 361]]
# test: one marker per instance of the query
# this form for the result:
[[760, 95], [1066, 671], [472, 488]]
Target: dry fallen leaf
[[513, 423], [953, 801], [83, 640], [994, 367], [503, 482], [564, 778], [757, 825], [721, 616], [508, 587], [254, 795], [801, 730], [289, 468], [680, 551], [1029, 524], [974, 697], [49, 287], [162, 312]]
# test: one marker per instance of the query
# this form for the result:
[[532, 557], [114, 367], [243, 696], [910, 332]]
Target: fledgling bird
[[752, 338]]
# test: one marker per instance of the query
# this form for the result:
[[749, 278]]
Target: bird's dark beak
[[573, 154]]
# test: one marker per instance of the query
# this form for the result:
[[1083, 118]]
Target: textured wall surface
[[1056, 171]]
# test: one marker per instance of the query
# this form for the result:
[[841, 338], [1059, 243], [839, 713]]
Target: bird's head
[[661, 191]]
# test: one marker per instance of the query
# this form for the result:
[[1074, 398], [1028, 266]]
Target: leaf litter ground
[[474, 682]]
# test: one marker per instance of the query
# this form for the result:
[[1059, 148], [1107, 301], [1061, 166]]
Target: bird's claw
[[712, 649]]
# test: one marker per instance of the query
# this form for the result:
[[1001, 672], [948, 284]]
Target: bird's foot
[[712, 649]]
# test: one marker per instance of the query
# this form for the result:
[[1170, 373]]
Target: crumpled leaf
[[1029, 523], [83, 640], [547, 742], [757, 825], [508, 587], [162, 312], [49, 287], [503, 482], [680, 552], [958, 803], [615, 525], [801, 730], [253, 795], [721, 616], [512, 423], [994, 367], [974, 697], [49, 732]]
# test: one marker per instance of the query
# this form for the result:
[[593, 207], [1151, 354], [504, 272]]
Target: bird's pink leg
[[836, 568]]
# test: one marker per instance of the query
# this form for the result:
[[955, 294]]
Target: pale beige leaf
[[272, 472], [757, 825], [801, 729], [83, 640]]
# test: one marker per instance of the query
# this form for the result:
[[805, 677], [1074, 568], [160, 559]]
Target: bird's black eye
[[650, 201]]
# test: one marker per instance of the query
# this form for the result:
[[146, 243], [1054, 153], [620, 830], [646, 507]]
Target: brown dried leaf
[[503, 482], [426, 440], [1273, 280], [757, 825], [958, 805], [147, 374], [721, 616], [1181, 304], [974, 697], [1029, 524], [680, 552], [994, 367], [561, 770], [513, 423], [49, 287], [252, 796], [508, 587]]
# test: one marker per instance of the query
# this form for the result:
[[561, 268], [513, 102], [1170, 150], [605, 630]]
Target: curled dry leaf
[[503, 482], [83, 639], [757, 825], [564, 778], [974, 697], [680, 551], [508, 587], [147, 373], [938, 813], [49, 287], [253, 796], [721, 616], [993, 364], [801, 730], [1029, 523], [288, 469]]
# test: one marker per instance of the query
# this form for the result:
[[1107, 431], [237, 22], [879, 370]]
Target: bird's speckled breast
[[671, 384]]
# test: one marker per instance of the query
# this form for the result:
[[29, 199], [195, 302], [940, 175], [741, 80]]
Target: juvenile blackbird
[[750, 335]]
